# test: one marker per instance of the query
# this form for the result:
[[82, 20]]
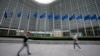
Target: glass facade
[[59, 7]]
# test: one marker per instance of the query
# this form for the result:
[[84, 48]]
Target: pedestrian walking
[[25, 43], [75, 41]]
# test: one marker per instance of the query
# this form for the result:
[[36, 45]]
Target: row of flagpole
[[82, 20], [4, 13], [56, 17], [20, 20], [45, 25], [90, 20], [2, 19], [14, 10]]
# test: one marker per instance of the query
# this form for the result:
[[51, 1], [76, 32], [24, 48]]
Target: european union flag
[[79, 16], [57, 17], [72, 17], [94, 17], [5, 14], [36, 14], [65, 17], [87, 17], [50, 16], [28, 15], [19, 14], [98, 17], [43, 15]]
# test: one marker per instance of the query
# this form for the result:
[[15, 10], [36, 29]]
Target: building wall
[[69, 7]]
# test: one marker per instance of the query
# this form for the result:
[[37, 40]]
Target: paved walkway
[[11, 49]]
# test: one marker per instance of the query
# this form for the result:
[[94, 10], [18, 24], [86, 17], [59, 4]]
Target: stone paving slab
[[11, 49]]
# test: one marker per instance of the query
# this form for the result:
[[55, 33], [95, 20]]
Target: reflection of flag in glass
[[43, 15], [87, 17], [50, 16], [79, 16], [65, 17], [36, 14], [94, 17], [19, 14], [57, 17], [72, 17], [5, 14]]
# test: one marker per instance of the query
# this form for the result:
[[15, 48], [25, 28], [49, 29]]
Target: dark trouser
[[24, 45], [76, 44]]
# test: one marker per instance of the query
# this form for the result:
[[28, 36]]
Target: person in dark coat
[[25, 43]]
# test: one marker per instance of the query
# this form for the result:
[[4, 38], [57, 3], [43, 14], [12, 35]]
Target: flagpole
[[82, 18], [12, 18], [53, 23], [40, 20], [4, 12], [29, 21], [77, 26], [61, 18], [37, 19], [69, 21], [90, 19], [45, 23], [21, 17], [76, 22]]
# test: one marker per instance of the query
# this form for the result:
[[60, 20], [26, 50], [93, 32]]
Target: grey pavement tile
[[11, 49]]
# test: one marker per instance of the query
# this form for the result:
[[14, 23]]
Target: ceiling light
[[44, 1]]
